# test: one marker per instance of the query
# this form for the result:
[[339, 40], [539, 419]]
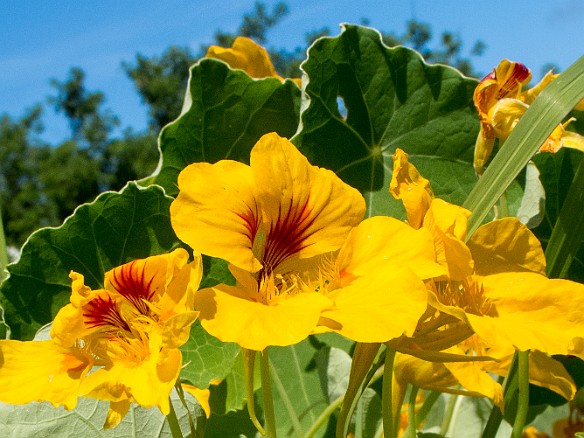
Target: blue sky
[[43, 39]]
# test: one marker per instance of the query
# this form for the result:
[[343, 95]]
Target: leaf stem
[[412, 412], [181, 395], [173, 422], [427, 407], [248, 367], [332, 407], [448, 414], [269, 414], [523, 393], [389, 426]]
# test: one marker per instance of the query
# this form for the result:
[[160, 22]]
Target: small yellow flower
[[127, 334], [501, 101], [248, 56], [270, 220]]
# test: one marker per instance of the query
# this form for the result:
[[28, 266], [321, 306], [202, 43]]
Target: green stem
[[412, 412], [3, 251], [181, 396], [324, 416], [427, 407], [523, 393], [248, 366], [389, 427], [287, 403], [448, 414], [173, 422], [269, 414]]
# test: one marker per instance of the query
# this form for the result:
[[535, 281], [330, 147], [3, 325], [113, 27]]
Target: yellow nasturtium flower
[[127, 334], [270, 220], [506, 299], [501, 102], [248, 56]]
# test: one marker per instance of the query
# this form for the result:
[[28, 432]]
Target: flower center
[[468, 295]]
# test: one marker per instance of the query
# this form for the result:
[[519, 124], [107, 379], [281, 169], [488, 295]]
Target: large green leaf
[[114, 229], [206, 358], [224, 115], [43, 420], [391, 99], [297, 390]]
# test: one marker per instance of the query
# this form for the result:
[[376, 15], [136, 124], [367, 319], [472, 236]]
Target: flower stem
[[181, 395], [523, 393], [269, 414], [173, 422], [324, 416], [427, 407], [248, 366], [448, 414], [389, 426], [412, 412]]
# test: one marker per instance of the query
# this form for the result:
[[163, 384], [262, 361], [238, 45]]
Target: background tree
[[41, 184]]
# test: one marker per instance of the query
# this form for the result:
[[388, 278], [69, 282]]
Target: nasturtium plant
[[412, 303]]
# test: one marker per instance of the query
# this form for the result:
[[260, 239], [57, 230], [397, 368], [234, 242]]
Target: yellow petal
[[246, 55], [573, 140], [307, 210], [529, 96], [448, 224], [202, 396], [116, 413], [412, 188], [228, 314], [544, 371], [532, 312], [216, 211], [483, 149], [41, 371], [506, 245], [377, 307], [505, 114], [147, 381], [382, 240]]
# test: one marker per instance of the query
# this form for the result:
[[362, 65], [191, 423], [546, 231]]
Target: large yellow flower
[[501, 102], [248, 56], [270, 220], [127, 334], [506, 299]]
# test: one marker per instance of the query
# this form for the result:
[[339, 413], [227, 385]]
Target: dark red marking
[[133, 286]]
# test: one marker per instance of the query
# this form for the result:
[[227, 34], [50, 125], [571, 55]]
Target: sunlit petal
[[377, 307], [231, 316], [506, 245], [216, 211], [41, 370]]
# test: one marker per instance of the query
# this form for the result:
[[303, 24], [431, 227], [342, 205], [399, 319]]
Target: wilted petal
[[412, 188]]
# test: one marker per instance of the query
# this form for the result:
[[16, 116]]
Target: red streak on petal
[[132, 285], [519, 74], [287, 235], [104, 312], [250, 220]]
